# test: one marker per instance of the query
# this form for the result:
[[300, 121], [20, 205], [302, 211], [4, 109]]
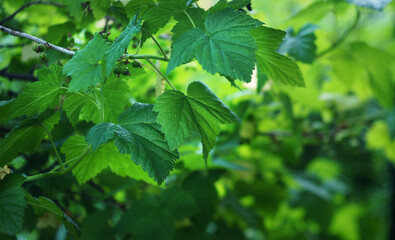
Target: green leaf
[[239, 3], [374, 4], [300, 46], [106, 156], [26, 136], [85, 106], [120, 44], [313, 13], [235, 4], [152, 218], [378, 64], [138, 134], [57, 33], [179, 202], [12, 203], [158, 16], [39, 96], [44, 205], [99, 8], [276, 66], [262, 80], [147, 219], [96, 226], [132, 7], [201, 185], [225, 46], [184, 24], [85, 67], [75, 8], [5, 109], [180, 115], [390, 119]]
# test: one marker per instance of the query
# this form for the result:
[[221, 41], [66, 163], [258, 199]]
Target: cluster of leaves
[[119, 146], [96, 94]]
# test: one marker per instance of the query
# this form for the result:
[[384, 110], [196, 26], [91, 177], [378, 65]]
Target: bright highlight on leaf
[[276, 66], [180, 115], [139, 135], [225, 46], [85, 68], [106, 156]]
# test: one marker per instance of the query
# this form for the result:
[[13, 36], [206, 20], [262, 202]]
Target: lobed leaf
[[139, 135], [105, 156], [180, 115], [85, 67], [158, 16], [225, 46], [39, 96], [84, 105], [276, 66], [120, 44]]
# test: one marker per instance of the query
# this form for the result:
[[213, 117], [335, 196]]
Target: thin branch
[[54, 147], [344, 36], [157, 44], [106, 24], [145, 65], [28, 5], [69, 52], [10, 76], [38, 40], [158, 71], [52, 173], [137, 56], [11, 45]]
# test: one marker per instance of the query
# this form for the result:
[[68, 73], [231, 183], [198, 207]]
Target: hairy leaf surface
[[225, 46], [184, 23], [139, 135]]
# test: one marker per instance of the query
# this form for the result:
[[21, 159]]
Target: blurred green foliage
[[303, 163]]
